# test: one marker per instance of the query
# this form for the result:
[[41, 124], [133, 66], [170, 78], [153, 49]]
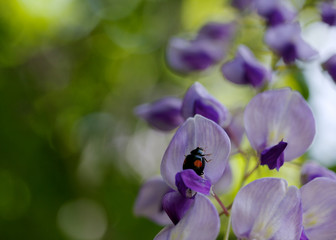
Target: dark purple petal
[[267, 209], [313, 170], [176, 205], [164, 114], [319, 208], [273, 157], [330, 66], [201, 221], [286, 41], [188, 179], [303, 235], [197, 132], [328, 13], [197, 100], [277, 115], [149, 201], [216, 31], [243, 4], [245, 69]]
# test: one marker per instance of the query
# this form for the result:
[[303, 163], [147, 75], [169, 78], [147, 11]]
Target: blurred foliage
[[71, 72]]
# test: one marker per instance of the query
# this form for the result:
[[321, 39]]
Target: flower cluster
[[278, 124]]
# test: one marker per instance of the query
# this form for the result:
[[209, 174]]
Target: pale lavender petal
[[188, 179], [175, 205], [164, 114], [328, 13], [225, 182], [197, 132], [330, 66], [311, 170], [267, 209], [277, 115], [201, 221], [197, 100], [149, 201], [319, 209], [235, 129]]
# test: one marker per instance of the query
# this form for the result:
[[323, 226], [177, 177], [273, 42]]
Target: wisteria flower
[[197, 218], [235, 129], [319, 209], [149, 201], [286, 41], [197, 100], [267, 209], [164, 114], [279, 125], [197, 132], [328, 13], [243, 5], [245, 69], [330, 66], [311, 170], [217, 32]]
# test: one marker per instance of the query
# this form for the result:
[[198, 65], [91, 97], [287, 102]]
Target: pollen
[[198, 163]]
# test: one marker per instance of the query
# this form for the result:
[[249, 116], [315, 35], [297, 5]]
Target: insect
[[196, 161]]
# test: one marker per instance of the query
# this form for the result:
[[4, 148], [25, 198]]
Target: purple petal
[[235, 129], [286, 41], [319, 208], [330, 66], [225, 182], [243, 4], [277, 115], [267, 209], [313, 170], [245, 69], [216, 31], [328, 13], [275, 12], [149, 201], [164, 114], [188, 179], [201, 221], [273, 157], [303, 235], [197, 100], [197, 132], [176, 205]]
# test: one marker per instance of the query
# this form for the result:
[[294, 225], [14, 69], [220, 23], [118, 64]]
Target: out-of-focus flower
[[243, 5], [245, 69], [196, 132], [330, 66], [204, 51], [149, 201], [319, 209], [197, 100], [279, 125], [311, 170], [198, 219], [328, 13], [164, 114], [224, 183], [286, 41], [274, 11], [235, 129], [267, 209]]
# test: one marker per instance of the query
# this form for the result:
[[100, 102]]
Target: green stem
[[226, 237]]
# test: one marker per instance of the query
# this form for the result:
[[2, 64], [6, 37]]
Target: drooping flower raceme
[[197, 100], [286, 41], [245, 69], [330, 66], [279, 125], [319, 209], [267, 209], [164, 114], [312, 170]]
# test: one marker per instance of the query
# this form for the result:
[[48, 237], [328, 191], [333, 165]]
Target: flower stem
[[225, 211], [226, 237]]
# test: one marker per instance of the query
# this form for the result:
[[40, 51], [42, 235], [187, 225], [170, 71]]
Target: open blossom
[[311, 170], [164, 114], [267, 208], [196, 218], [330, 66], [319, 209], [197, 100], [279, 125], [286, 41], [245, 69], [328, 13]]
